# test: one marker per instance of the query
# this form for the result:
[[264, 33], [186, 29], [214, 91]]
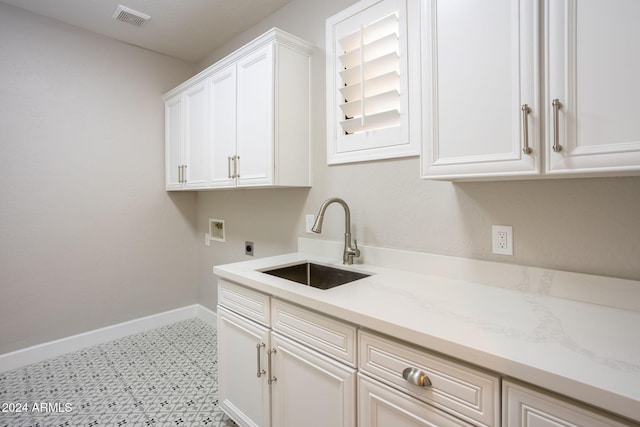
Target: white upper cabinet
[[222, 115], [593, 68], [173, 131], [480, 70], [186, 147], [195, 147], [372, 112], [492, 109], [244, 121], [255, 119]]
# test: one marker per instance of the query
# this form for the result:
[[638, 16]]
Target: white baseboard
[[207, 315], [40, 352]]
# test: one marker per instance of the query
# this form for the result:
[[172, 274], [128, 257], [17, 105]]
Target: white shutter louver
[[370, 81]]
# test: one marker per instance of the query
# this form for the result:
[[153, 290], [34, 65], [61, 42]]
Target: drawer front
[[383, 406], [458, 389], [329, 336], [525, 407], [249, 303]]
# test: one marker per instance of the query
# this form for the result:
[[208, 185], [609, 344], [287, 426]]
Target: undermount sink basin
[[316, 275]]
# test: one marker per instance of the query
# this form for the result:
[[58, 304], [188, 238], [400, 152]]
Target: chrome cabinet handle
[[556, 106], [416, 377], [271, 378], [525, 128], [235, 167], [260, 372], [181, 174]]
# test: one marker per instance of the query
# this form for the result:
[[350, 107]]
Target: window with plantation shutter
[[368, 102], [370, 77]]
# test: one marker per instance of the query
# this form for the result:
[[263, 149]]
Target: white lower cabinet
[[282, 365], [310, 389], [455, 392], [383, 406], [242, 350], [283, 378], [522, 406]]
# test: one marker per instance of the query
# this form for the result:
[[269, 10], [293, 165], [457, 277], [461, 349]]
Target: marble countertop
[[583, 350]]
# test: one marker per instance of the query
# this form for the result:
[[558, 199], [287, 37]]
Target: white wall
[[585, 225], [88, 235]]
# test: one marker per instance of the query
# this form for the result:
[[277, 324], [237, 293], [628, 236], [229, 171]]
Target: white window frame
[[402, 139]]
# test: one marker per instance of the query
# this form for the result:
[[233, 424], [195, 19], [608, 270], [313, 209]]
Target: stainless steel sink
[[316, 275]]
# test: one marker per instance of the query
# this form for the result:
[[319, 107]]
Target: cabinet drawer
[[251, 304], [468, 393], [329, 336], [383, 406], [524, 407]]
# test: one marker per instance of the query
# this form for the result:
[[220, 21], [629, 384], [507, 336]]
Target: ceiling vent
[[130, 16]]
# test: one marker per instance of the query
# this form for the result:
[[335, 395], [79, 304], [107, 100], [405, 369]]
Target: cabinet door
[[223, 126], [382, 406], [310, 389], [593, 72], [244, 392], [255, 118], [480, 67], [196, 142], [173, 141]]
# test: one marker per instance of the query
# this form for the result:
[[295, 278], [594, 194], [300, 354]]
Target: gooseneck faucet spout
[[349, 252]]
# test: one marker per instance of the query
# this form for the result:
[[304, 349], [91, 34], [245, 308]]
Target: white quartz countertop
[[583, 350]]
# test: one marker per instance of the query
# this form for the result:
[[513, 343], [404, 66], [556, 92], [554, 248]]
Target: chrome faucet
[[349, 252]]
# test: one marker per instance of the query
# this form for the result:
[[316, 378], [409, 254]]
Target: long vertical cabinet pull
[[233, 159], [525, 129], [261, 371], [557, 105], [271, 378], [229, 158], [181, 174]]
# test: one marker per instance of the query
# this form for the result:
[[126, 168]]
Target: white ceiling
[[185, 29]]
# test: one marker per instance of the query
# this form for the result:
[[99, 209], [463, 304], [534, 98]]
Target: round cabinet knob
[[416, 377]]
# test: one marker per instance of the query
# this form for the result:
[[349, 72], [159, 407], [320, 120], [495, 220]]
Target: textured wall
[[585, 225], [88, 235]]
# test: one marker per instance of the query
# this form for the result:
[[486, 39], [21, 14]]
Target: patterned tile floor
[[164, 377]]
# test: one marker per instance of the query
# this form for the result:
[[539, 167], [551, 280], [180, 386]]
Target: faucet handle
[[356, 250]]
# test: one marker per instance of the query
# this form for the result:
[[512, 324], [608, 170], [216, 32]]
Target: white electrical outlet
[[502, 239]]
